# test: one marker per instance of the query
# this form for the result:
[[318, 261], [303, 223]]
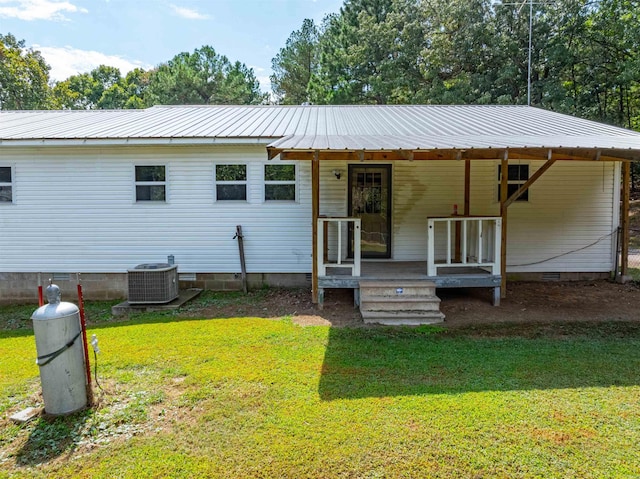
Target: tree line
[[201, 77], [584, 60], [585, 56]]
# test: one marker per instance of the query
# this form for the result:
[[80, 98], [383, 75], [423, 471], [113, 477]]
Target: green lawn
[[251, 397]]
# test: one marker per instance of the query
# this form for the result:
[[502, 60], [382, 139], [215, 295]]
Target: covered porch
[[460, 250]]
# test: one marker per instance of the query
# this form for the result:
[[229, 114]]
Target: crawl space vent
[[153, 283]]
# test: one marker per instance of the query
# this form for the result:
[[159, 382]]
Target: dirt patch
[[525, 302], [545, 302], [338, 309]]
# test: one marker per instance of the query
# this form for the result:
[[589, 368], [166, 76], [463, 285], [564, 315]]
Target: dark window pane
[[280, 172], [280, 192], [231, 192], [5, 194], [512, 188], [150, 193], [516, 172], [150, 173], [231, 172], [5, 174]]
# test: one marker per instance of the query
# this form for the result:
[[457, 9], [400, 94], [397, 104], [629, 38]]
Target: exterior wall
[[568, 224], [74, 210]]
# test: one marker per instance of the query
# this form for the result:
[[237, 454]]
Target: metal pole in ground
[[243, 266], [83, 329]]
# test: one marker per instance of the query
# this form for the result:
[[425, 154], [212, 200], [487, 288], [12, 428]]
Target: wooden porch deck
[[447, 277]]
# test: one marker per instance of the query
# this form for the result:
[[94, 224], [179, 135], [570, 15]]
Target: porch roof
[[457, 132]]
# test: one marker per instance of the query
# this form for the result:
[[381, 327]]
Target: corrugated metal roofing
[[325, 127]]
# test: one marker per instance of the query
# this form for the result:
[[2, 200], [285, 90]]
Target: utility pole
[[529, 62], [521, 4]]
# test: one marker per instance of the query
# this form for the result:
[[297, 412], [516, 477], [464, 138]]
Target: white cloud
[[188, 13], [67, 61], [265, 83], [38, 9]]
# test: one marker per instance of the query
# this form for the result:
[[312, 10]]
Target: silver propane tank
[[60, 350]]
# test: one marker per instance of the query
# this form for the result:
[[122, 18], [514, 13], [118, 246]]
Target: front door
[[370, 200]]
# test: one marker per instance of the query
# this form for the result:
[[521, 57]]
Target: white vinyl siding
[[73, 212]]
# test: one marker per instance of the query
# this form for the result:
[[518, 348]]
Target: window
[[518, 176], [150, 183], [279, 182], [6, 187], [231, 182]]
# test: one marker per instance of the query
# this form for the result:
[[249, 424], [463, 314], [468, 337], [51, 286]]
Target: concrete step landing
[[397, 302]]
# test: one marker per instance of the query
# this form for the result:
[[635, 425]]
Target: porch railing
[[463, 241], [332, 248]]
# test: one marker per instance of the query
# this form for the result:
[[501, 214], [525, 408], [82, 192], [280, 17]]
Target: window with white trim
[[517, 176], [231, 182], [151, 183], [279, 182], [6, 185]]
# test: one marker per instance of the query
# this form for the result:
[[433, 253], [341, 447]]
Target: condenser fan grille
[[153, 283]]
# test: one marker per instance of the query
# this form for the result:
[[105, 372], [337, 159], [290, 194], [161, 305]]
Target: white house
[[99, 192]]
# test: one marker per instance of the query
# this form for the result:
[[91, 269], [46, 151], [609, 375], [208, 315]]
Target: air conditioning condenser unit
[[153, 283]]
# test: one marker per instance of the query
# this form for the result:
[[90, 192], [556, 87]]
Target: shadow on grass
[[383, 362], [52, 437]]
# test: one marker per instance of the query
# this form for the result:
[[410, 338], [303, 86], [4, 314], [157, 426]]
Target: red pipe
[[83, 325], [40, 297]]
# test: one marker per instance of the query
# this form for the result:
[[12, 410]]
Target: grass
[[250, 397]]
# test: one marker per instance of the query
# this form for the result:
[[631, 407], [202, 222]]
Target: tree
[[350, 62], [295, 64], [203, 77], [456, 58], [607, 73], [24, 76], [102, 88], [371, 53]]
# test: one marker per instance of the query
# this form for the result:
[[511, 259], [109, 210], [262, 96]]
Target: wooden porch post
[[315, 211], [624, 220], [465, 210], [467, 187], [504, 191]]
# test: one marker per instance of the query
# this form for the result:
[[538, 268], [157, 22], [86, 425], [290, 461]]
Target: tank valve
[[94, 343]]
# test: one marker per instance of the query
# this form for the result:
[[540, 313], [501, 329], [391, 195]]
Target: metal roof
[[314, 127]]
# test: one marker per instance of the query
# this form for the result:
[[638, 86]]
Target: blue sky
[[78, 35]]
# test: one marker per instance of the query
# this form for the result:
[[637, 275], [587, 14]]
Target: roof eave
[[39, 142]]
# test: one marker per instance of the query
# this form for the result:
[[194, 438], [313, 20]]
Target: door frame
[[387, 167]]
